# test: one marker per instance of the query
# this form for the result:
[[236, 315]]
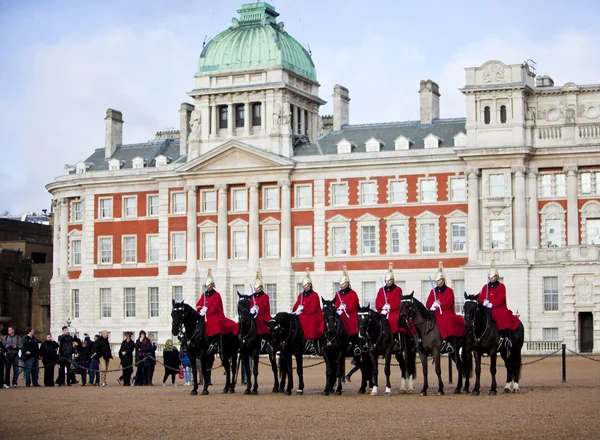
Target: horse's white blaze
[[507, 386], [403, 385], [388, 390], [374, 391], [410, 383]]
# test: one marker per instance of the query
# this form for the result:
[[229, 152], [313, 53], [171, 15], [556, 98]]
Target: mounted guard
[[347, 303], [261, 307], [388, 303], [308, 310]]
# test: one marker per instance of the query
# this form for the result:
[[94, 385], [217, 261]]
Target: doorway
[[586, 332]]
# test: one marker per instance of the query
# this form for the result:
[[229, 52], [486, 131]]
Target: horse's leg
[[206, 364], [327, 373], [193, 359], [403, 376], [246, 370], [508, 364], [438, 371], [477, 356], [227, 367], [387, 369], [299, 371], [374, 362], [234, 366], [273, 361], [341, 361], [255, 371], [493, 358], [423, 358], [516, 361], [284, 372], [459, 366], [364, 374], [467, 361], [411, 361]]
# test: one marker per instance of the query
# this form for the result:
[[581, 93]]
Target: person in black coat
[[30, 353], [126, 356], [102, 351], [172, 362], [143, 347], [82, 353], [49, 358], [65, 353], [2, 360]]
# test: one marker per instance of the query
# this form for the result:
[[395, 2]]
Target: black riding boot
[[397, 343], [214, 345]]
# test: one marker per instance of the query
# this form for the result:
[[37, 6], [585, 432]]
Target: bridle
[[418, 334], [252, 323], [332, 325], [365, 325], [289, 336], [477, 312]]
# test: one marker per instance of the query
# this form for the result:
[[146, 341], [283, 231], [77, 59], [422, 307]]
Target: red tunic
[[350, 318], [393, 299], [216, 321], [496, 294], [261, 300], [449, 323], [311, 317]]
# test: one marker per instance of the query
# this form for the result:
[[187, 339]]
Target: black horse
[[375, 332], [250, 346], [429, 342], [335, 345], [287, 336], [485, 339], [191, 324]]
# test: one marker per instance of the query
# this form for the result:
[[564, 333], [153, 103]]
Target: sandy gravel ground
[[545, 409]]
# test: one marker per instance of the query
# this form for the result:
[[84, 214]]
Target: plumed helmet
[[307, 280], [493, 272], [209, 282], [440, 273], [258, 282], [390, 273], [345, 279]]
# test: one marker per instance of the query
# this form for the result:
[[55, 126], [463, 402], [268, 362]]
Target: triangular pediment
[[338, 219], [235, 155], [427, 215], [207, 224], [367, 218], [75, 233], [396, 216], [270, 221], [457, 213], [238, 222]]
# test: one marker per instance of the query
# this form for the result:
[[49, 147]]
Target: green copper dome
[[256, 40]]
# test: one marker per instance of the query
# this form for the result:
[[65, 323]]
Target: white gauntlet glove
[[340, 311], [254, 310], [299, 309], [203, 311]]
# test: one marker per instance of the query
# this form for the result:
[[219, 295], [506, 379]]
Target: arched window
[[503, 114], [486, 115]]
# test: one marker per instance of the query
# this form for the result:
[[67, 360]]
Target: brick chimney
[[430, 101], [113, 132], [341, 107]]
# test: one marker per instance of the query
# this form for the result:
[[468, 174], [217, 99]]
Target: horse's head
[[365, 318], [407, 309], [330, 316], [471, 310], [277, 327], [244, 308], [178, 315]]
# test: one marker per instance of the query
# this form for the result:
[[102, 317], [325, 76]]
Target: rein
[[487, 323], [367, 335], [336, 333], [252, 325], [418, 338]]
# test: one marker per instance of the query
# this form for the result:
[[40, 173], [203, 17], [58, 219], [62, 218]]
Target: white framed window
[[592, 229], [586, 183], [427, 190], [129, 249], [553, 233], [75, 252], [178, 248], [75, 303], [497, 185], [368, 193], [152, 210], [339, 194], [590, 223], [160, 161], [368, 240], [271, 290], [561, 185], [459, 237], [598, 183], [398, 192], [241, 288], [130, 207], [303, 242], [137, 163], [458, 189], [553, 226], [105, 208], [303, 196], [459, 298], [271, 197], [373, 145], [177, 203], [240, 244], [369, 293], [129, 295], [550, 285], [178, 293], [427, 237], [398, 239], [271, 243], [209, 245], [105, 250], [344, 146], [80, 168], [498, 234], [550, 334], [426, 287], [546, 185], [153, 302], [105, 303], [340, 240], [240, 199], [152, 248], [209, 201], [428, 233], [76, 211]]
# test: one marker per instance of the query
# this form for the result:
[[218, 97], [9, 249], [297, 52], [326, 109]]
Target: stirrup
[[357, 351], [447, 348], [508, 343]]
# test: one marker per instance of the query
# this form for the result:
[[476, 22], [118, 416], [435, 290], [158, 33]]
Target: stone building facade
[[256, 180]]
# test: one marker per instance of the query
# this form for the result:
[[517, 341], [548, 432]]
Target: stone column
[[286, 224], [64, 238], [533, 222], [473, 219], [214, 128], [253, 229], [230, 120], [302, 121], [572, 210], [520, 205], [247, 117], [294, 118], [192, 230], [222, 228]]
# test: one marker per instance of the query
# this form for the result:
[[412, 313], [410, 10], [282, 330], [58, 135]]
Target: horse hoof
[[475, 393], [338, 393], [325, 393], [300, 392], [204, 392], [275, 390], [492, 393], [516, 390], [254, 392], [231, 390], [287, 393], [423, 393], [440, 393], [225, 390], [281, 390], [388, 391], [507, 390], [247, 392], [362, 391], [456, 391], [194, 393]]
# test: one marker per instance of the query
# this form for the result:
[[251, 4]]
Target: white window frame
[[338, 221], [270, 252], [403, 194], [367, 220], [101, 209], [491, 233], [298, 199], [549, 294], [297, 230], [153, 303], [421, 192], [553, 211], [546, 185], [137, 163], [176, 291], [271, 290], [344, 146], [234, 205], [491, 187], [72, 246], [207, 226], [451, 191], [362, 195], [124, 249], [456, 217], [174, 204], [373, 145], [333, 196], [125, 198], [149, 238], [550, 334], [149, 205], [236, 250], [266, 190], [586, 188], [100, 259], [173, 256], [237, 225], [397, 220], [563, 193], [459, 297], [204, 254], [129, 313], [370, 297], [114, 165], [589, 211], [204, 202], [75, 303], [428, 218], [75, 218], [105, 306]]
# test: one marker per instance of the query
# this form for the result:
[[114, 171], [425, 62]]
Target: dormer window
[[432, 141], [137, 163], [114, 165], [344, 146], [373, 145], [81, 167], [161, 161], [460, 140], [403, 143]]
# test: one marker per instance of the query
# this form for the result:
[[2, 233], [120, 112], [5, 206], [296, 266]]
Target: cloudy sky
[[63, 63]]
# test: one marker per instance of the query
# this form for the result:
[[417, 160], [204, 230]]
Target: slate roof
[[446, 129], [148, 150]]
